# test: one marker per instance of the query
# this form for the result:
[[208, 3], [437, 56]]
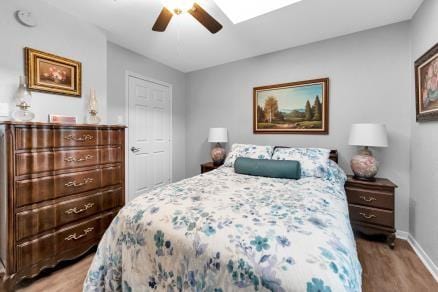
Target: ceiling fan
[[177, 7]]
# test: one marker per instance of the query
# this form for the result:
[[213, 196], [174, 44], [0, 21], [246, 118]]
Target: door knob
[[135, 149]]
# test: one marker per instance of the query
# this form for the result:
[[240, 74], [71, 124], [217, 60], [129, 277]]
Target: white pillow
[[314, 161], [248, 151]]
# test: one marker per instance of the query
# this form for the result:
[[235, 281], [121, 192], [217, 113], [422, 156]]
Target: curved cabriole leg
[[391, 240], [8, 283]]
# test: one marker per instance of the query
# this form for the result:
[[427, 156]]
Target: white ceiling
[[188, 46]]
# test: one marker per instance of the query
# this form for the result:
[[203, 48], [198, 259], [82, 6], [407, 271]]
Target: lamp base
[[218, 154], [364, 165], [22, 115]]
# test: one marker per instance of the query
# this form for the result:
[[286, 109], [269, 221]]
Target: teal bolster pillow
[[290, 169]]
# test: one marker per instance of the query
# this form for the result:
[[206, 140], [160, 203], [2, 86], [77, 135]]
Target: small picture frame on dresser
[[371, 207], [59, 119]]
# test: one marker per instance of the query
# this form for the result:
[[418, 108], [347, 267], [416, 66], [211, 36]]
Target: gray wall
[[121, 60], [58, 33], [424, 141], [369, 82]]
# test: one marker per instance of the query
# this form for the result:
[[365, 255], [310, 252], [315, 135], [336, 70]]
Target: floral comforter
[[223, 231]]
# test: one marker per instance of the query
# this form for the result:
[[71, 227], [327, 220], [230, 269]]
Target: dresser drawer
[[29, 163], [370, 198], [52, 187], [37, 138], [36, 162], [371, 215], [63, 240], [42, 219]]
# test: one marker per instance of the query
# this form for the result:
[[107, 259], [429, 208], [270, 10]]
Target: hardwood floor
[[384, 270], [68, 276]]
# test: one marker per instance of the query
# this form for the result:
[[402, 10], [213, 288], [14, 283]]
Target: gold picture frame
[[426, 85], [49, 73], [292, 108]]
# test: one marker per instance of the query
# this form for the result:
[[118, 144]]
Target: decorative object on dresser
[[371, 206], [23, 98], [364, 165], [218, 135], [59, 119], [426, 85], [53, 74], [292, 108], [60, 187], [92, 117], [208, 166]]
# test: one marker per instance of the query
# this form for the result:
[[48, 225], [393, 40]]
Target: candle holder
[[23, 98], [92, 117]]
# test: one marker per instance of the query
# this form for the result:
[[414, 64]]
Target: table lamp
[[218, 135]]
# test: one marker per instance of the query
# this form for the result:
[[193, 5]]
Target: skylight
[[242, 10]]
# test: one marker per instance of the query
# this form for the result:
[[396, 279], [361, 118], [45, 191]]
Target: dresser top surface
[[56, 125]]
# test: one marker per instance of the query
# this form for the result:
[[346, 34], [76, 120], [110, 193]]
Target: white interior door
[[149, 135]]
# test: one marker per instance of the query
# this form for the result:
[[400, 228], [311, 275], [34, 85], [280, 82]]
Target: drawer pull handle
[[83, 138], [366, 216], [74, 236], [370, 199], [76, 184], [82, 159], [75, 210]]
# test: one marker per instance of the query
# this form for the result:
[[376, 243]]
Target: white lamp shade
[[218, 135], [373, 135]]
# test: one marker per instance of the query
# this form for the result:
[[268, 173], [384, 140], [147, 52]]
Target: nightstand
[[209, 166], [371, 207]]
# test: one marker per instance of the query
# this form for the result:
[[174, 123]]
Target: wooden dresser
[[60, 187], [371, 207]]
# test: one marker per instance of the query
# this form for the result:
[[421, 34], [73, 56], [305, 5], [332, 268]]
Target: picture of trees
[[292, 108]]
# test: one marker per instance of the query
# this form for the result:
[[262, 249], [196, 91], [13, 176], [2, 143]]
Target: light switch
[[4, 109]]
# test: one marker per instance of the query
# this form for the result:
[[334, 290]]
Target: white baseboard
[[425, 259], [402, 234]]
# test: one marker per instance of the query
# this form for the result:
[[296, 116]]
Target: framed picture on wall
[[426, 85], [292, 108], [52, 74]]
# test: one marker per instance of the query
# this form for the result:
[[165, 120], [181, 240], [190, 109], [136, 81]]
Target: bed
[[223, 231]]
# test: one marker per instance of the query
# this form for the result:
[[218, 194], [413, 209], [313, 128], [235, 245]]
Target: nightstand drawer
[[371, 215], [370, 198]]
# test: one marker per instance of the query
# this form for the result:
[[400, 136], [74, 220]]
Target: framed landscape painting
[[292, 108], [53, 74], [426, 85]]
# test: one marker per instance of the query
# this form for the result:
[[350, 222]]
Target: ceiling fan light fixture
[[178, 6]]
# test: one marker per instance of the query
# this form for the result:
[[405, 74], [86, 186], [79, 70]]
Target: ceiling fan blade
[[205, 19], [162, 20]]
